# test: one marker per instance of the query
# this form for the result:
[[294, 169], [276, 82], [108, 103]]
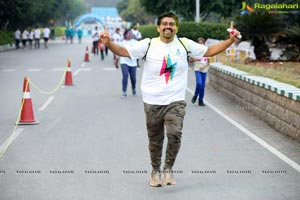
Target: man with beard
[[164, 83]]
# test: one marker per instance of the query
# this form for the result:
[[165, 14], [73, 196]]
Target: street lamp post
[[197, 11]]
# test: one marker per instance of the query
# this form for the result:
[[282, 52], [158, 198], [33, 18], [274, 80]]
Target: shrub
[[6, 37], [195, 30], [59, 31], [190, 30], [148, 31]]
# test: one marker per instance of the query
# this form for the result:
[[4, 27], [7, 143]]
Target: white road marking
[[257, 139], [33, 70], [109, 69], [76, 72], [8, 70], [83, 64], [82, 69], [59, 69], [45, 105], [16, 134]]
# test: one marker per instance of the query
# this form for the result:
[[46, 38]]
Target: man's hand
[[115, 48], [221, 46], [235, 35], [105, 37]]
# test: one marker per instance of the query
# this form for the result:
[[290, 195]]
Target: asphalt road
[[90, 144]]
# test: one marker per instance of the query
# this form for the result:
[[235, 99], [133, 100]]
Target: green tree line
[[218, 11], [28, 13]]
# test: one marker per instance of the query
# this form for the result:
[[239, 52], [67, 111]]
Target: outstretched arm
[[218, 48], [115, 48]]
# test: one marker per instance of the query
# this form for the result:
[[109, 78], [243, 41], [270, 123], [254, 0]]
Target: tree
[[132, 11], [186, 8], [11, 11], [292, 38], [70, 9], [225, 8], [259, 27]]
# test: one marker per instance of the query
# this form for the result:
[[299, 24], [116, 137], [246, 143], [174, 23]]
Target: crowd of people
[[31, 37]]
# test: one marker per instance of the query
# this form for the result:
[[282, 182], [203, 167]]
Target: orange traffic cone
[[86, 56], [27, 116], [68, 79]]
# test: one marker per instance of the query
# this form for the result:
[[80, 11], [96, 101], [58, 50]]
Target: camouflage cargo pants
[[158, 119]]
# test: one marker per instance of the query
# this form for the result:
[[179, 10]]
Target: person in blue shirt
[[79, 34]]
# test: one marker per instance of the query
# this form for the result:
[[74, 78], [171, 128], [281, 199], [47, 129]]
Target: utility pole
[[197, 11]]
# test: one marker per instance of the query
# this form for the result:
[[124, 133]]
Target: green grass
[[286, 72]]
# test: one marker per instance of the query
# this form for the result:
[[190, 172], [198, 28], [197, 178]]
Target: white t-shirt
[[37, 33], [203, 61], [137, 34], [25, 35], [165, 72], [30, 35], [95, 35], [46, 32], [125, 60], [17, 34], [117, 38]]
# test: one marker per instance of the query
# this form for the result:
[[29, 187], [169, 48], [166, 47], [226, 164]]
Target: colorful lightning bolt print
[[168, 69]]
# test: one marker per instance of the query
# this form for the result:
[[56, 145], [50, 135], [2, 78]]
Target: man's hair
[[167, 14]]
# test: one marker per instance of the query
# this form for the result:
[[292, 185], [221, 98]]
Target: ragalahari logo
[[246, 8], [168, 69], [272, 8]]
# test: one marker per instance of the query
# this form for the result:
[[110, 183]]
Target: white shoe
[[155, 179], [168, 177]]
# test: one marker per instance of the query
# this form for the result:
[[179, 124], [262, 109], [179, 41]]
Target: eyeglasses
[[171, 24]]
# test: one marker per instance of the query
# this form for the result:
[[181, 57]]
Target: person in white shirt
[[24, 38], [128, 66], [117, 38], [164, 83], [135, 32], [46, 33], [95, 38], [136, 35], [30, 37], [37, 36], [17, 38], [201, 66]]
